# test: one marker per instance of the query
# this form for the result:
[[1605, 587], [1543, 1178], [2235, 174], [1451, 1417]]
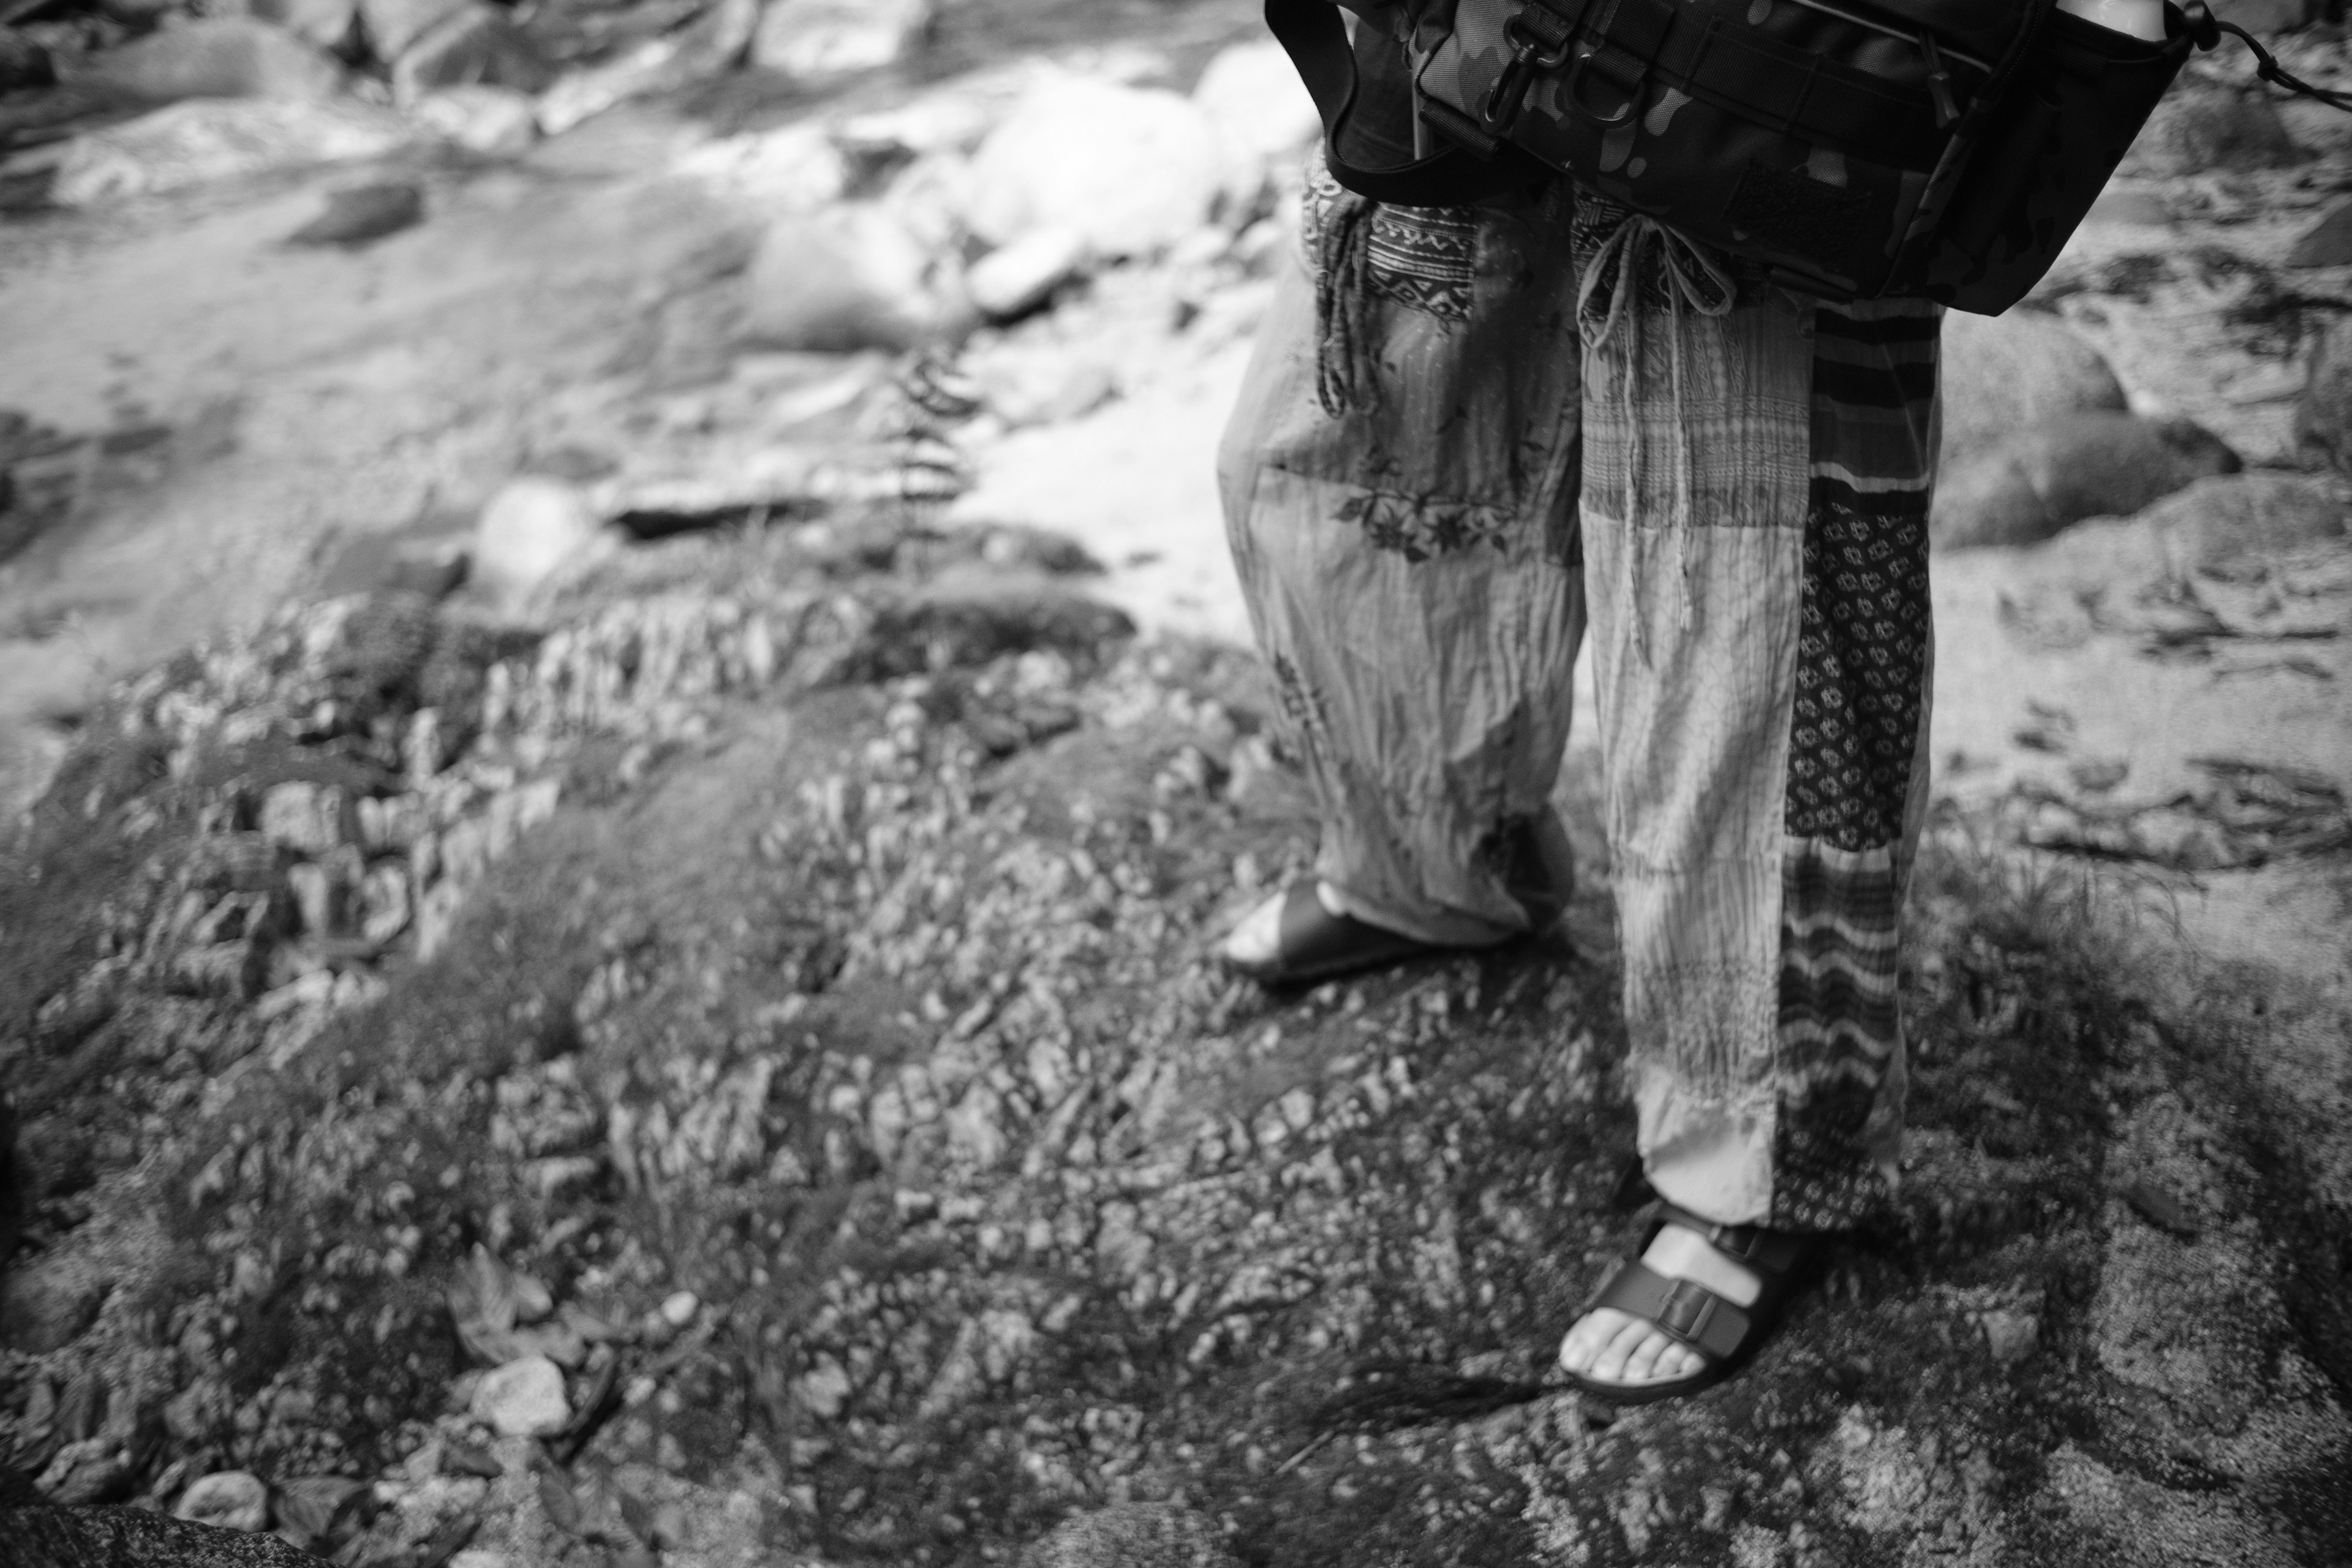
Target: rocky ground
[[607, 960]]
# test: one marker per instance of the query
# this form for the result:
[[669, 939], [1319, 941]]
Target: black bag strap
[[1310, 31], [2205, 31]]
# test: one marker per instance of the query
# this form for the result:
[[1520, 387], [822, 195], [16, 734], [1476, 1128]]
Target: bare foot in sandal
[[1698, 1300], [1610, 1346]]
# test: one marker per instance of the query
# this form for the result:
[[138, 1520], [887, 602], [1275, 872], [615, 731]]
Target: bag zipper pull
[[1939, 83]]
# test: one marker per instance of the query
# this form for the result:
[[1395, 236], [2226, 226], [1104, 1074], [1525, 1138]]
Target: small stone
[[1016, 278], [677, 1308], [2160, 1208], [311, 818], [393, 25], [523, 1399], [2010, 1336], [362, 214], [383, 906], [477, 47], [2328, 242], [817, 40], [825, 1391], [529, 531], [2322, 419], [227, 1500], [495, 122]]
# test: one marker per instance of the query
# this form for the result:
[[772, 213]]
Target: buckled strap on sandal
[[1752, 1246], [1683, 1310]]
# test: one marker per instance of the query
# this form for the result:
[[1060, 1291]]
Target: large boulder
[[2327, 243], [211, 139], [2199, 129], [817, 40], [2235, 520], [212, 57], [1130, 169], [55, 1537], [393, 25], [2047, 476], [850, 278], [477, 47], [2008, 373], [23, 62], [2323, 420], [1252, 95], [713, 42], [326, 23]]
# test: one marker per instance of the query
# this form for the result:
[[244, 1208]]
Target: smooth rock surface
[[364, 214], [230, 1499], [2034, 483], [1130, 169], [2328, 242], [848, 278], [203, 141], [529, 530], [815, 40], [1253, 96], [1019, 277], [325, 22], [2016, 373], [212, 57], [495, 122], [393, 25], [2323, 417], [2232, 520], [477, 47]]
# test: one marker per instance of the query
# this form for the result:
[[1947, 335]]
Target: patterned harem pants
[[1463, 429]]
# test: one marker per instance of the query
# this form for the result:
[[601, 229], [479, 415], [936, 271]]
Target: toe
[[1610, 1363], [1585, 1339], [1641, 1361]]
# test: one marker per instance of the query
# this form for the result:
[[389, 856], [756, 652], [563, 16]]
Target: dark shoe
[[1315, 944], [1723, 1334]]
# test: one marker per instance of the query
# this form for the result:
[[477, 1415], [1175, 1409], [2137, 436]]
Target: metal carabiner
[[1530, 56]]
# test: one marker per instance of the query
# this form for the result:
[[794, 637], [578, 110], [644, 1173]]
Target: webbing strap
[[1746, 70]]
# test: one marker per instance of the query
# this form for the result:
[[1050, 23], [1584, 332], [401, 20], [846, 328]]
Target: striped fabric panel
[[1873, 403], [1863, 660]]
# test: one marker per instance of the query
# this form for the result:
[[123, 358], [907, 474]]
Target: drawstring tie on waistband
[[1609, 314], [1346, 376]]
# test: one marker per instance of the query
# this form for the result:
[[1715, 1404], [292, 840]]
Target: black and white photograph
[[1175, 783]]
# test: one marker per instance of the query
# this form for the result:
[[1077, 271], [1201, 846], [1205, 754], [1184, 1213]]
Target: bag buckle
[[1939, 83], [1539, 39], [1617, 68]]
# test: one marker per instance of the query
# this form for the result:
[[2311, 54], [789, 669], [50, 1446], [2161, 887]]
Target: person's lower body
[[1427, 487]]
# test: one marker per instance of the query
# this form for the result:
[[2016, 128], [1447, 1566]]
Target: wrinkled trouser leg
[[1408, 561], [1752, 537], [1756, 555]]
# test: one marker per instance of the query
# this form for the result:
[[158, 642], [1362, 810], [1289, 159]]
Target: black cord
[[2266, 67]]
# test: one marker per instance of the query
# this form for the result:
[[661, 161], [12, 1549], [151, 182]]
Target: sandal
[[1315, 944], [1723, 1334]]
